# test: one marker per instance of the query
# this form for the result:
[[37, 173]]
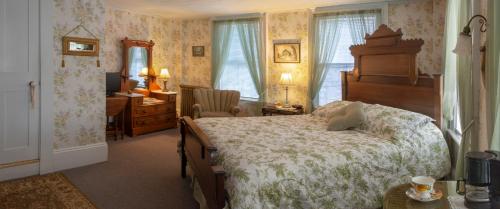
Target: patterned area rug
[[53, 191]]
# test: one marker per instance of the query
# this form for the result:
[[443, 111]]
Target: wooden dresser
[[146, 115]]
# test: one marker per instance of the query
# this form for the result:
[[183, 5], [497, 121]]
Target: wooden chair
[[115, 107]]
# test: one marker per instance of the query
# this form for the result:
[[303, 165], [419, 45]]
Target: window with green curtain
[[333, 34], [493, 74], [239, 57]]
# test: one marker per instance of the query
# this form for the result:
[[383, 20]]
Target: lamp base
[[165, 86]]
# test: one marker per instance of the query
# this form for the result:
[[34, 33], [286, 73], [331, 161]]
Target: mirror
[[80, 46], [138, 64]]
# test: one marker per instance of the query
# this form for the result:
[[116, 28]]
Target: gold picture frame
[[198, 51], [80, 46], [286, 52]]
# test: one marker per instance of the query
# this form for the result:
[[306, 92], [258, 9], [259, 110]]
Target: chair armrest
[[197, 110], [234, 110]]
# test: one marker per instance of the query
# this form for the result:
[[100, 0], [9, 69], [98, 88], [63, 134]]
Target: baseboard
[[74, 157], [19, 171]]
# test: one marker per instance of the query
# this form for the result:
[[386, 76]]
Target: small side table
[[395, 198], [270, 110]]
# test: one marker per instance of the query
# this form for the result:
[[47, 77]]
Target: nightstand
[[395, 198], [271, 109]]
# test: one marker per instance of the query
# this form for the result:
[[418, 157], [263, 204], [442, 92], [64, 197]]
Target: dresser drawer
[[154, 110], [156, 120]]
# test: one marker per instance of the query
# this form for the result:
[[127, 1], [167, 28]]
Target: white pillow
[[326, 111]]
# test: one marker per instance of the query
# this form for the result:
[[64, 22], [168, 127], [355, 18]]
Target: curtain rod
[[238, 17]]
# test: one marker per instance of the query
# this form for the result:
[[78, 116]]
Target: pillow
[[350, 116], [325, 111], [388, 121]]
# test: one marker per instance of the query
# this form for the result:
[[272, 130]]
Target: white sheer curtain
[[326, 29], [363, 22]]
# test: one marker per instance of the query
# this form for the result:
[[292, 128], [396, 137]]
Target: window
[[235, 72], [331, 89], [137, 64]]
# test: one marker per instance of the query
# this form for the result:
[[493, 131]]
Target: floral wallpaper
[[288, 26], [173, 41], [196, 70], [79, 100], [422, 19]]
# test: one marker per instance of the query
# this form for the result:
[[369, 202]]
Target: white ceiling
[[210, 8]]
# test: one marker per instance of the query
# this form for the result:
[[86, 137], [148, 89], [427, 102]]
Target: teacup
[[423, 186]]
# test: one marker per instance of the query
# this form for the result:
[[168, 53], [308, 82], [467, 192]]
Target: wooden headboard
[[385, 73]]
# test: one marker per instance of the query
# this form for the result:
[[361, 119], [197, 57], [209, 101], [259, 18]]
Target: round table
[[395, 198]]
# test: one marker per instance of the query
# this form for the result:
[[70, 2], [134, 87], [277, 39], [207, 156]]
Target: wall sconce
[[164, 75], [464, 41]]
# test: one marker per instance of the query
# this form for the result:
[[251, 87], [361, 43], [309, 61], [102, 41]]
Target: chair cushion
[[215, 114]]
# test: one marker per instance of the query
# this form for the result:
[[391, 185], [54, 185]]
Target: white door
[[19, 67]]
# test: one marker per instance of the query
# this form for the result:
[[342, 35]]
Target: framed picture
[[198, 51], [80, 46], [287, 52]]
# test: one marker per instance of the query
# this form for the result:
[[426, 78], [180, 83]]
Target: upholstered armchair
[[215, 103]]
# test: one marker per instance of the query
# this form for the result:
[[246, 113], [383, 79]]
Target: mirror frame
[[127, 44]]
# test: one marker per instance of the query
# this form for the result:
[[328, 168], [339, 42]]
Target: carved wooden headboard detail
[[385, 73]]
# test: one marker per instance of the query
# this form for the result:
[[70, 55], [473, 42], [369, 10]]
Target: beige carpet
[[51, 191], [142, 173]]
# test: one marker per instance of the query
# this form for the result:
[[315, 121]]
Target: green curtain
[[464, 91], [131, 60], [144, 55], [326, 37], [493, 73], [363, 22], [251, 44], [452, 29], [221, 43]]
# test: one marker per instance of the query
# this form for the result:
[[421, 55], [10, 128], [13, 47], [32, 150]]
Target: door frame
[[46, 86]]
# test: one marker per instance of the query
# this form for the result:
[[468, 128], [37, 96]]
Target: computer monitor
[[113, 83]]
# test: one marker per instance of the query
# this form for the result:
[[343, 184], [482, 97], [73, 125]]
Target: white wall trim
[[19, 171], [73, 157], [46, 85], [384, 6]]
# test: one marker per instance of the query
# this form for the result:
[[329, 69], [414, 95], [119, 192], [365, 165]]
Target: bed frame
[[384, 73]]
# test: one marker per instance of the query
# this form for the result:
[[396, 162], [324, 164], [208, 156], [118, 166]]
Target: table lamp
[[286, 80], [164, 75], [144, 74]]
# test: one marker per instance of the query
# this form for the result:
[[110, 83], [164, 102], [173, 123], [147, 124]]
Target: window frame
[[263, 28], [382, 6]]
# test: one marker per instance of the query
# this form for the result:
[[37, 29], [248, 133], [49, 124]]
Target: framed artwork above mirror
[[138, 64]]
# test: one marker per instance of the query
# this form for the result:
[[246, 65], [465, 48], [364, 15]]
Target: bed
[[293, 162]]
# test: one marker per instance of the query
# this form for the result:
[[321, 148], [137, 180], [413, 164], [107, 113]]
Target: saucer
[[435, 195]]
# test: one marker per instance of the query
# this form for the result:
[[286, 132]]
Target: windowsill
[[248, 99], [456, 137]]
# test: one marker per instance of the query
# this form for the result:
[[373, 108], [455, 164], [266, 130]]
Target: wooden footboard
[[197, 150]]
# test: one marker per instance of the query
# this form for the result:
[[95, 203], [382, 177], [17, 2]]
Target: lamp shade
[[464, 45], [164, 74], [144, 72], [286, 79]]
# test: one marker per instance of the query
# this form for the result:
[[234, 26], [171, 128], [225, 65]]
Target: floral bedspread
[[293, 162]]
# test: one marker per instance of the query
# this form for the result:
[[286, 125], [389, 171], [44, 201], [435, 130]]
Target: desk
[[115, 107], [149, 114]]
